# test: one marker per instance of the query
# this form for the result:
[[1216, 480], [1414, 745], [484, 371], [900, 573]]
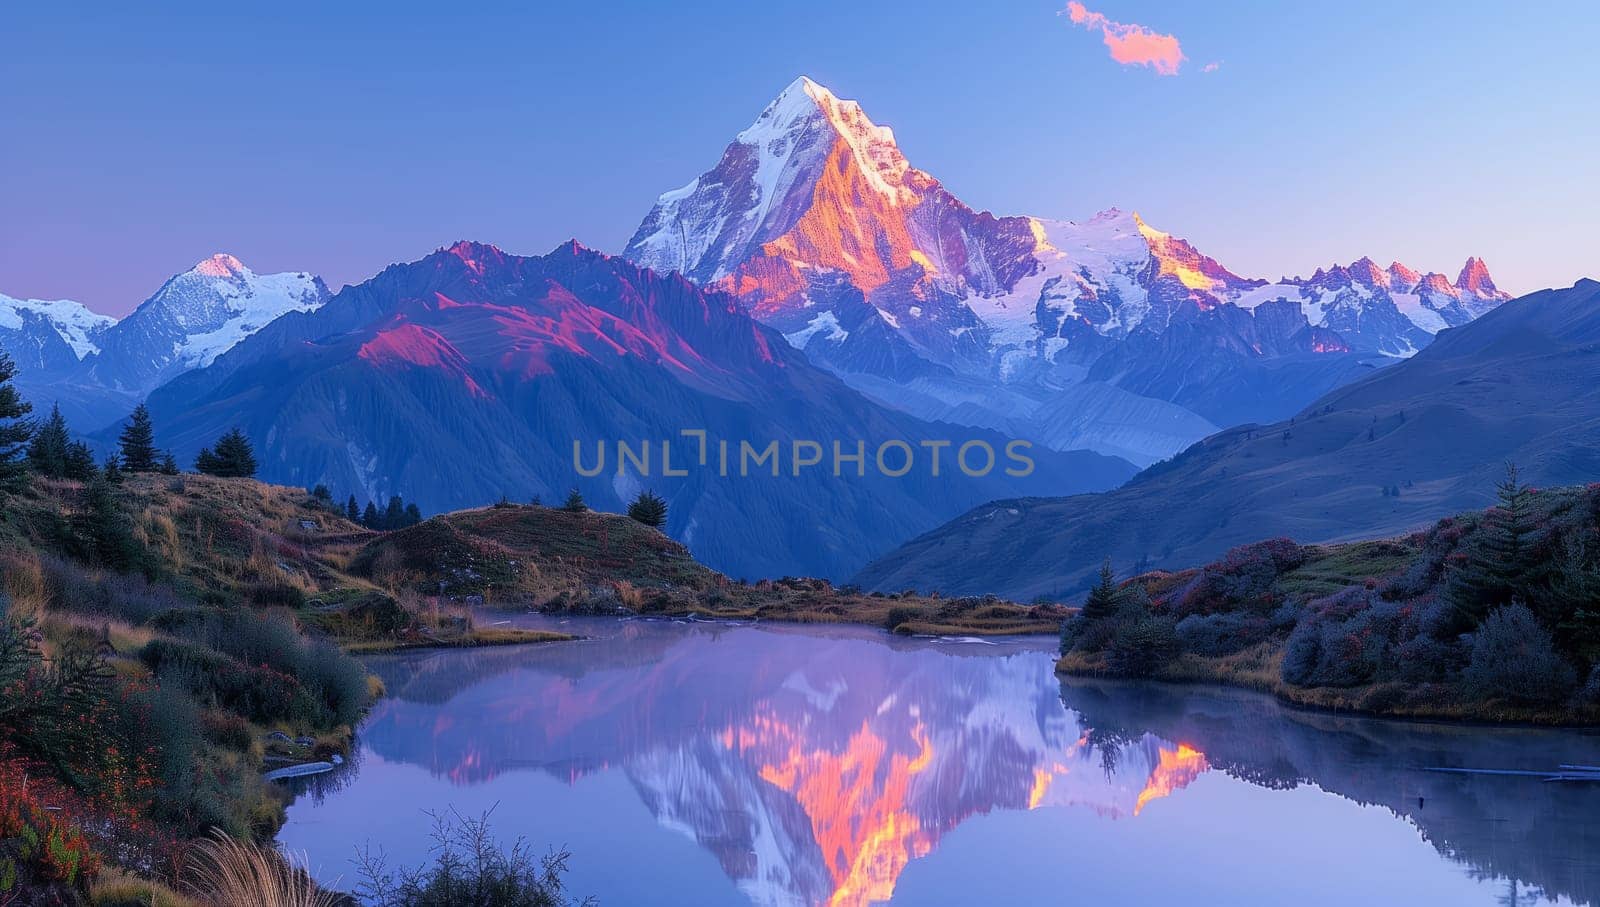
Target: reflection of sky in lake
[[695, 764]]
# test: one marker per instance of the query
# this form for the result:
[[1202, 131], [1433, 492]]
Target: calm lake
[[705, 764]]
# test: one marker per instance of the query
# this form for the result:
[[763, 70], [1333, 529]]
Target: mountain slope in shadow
[[1521, 384]]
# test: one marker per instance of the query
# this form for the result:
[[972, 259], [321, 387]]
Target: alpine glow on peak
[[1082, 334]]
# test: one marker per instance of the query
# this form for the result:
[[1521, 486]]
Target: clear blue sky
[[138, 139]]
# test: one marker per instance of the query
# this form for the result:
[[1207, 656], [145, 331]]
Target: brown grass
[[22, 579], [229, 873], [117, 887], [487, 636]]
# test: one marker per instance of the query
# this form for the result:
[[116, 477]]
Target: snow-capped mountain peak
[[812, 178], [197, 316], [1400, 275], [78, 327], [222, 265], [1367, 271], [872, 146], [48, 339]]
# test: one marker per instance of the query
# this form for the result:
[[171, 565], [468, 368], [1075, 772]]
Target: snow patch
[[73, 321], [825, 323]]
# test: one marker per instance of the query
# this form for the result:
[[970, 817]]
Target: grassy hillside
[[163, 641], [1385, 455], [1491, 615], [529, 557]]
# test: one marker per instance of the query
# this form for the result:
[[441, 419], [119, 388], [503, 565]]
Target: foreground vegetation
[[1485, 616], [164, 639]]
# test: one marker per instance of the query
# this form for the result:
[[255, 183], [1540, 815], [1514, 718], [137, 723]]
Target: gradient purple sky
[[139, 140]]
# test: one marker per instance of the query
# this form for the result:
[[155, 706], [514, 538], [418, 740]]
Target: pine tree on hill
[[47, 453], [1104, 597], [369, 517], [233, 458], [1499, 566], [167, 464], [15, 430], [101, 530], [80, 462], [112, 471], [649, 509], [394, 515], [575, 502], [138, 442], [352, 510], [413, 515]]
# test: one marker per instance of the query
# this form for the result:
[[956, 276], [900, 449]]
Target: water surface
[[705, 764]]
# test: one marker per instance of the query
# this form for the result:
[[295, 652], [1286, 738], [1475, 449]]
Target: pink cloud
[[1211, 67], [1131, 45]]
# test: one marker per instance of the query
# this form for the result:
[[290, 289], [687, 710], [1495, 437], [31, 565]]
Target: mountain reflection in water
[[816, 766]]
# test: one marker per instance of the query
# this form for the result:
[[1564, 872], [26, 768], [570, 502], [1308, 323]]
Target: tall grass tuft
[[233, 872]]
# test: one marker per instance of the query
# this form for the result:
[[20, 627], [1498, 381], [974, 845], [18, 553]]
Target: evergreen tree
[[575, 502], [321, 494], [47, 453], [233, 458], [80, 462], [167, 464], [649, 509], [15, 430], [138, 442], [1498, 569], [352, 510], [394, 515], [369, 517], [1103, 598], [101, 530], [112, 471], [413, 515]]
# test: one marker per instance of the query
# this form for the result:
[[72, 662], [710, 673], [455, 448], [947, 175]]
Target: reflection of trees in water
[[1543, 835], [317, 788]]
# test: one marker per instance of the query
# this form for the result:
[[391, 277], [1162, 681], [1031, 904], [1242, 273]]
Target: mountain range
[[883, 308], [1406, 445], [471, 374], [1108, 334], [97, 368]]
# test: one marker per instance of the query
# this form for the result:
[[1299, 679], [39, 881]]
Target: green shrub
[[339, 680], [260, 666], [468, 868], [60, 711], [129, 597], [226, 729], [1144, 645], [275, 595], [1513, 658], [1246, 577], [258, 692], [1215, 635], [188, 792], [378, 613], [899, 615], [1345, 639]]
